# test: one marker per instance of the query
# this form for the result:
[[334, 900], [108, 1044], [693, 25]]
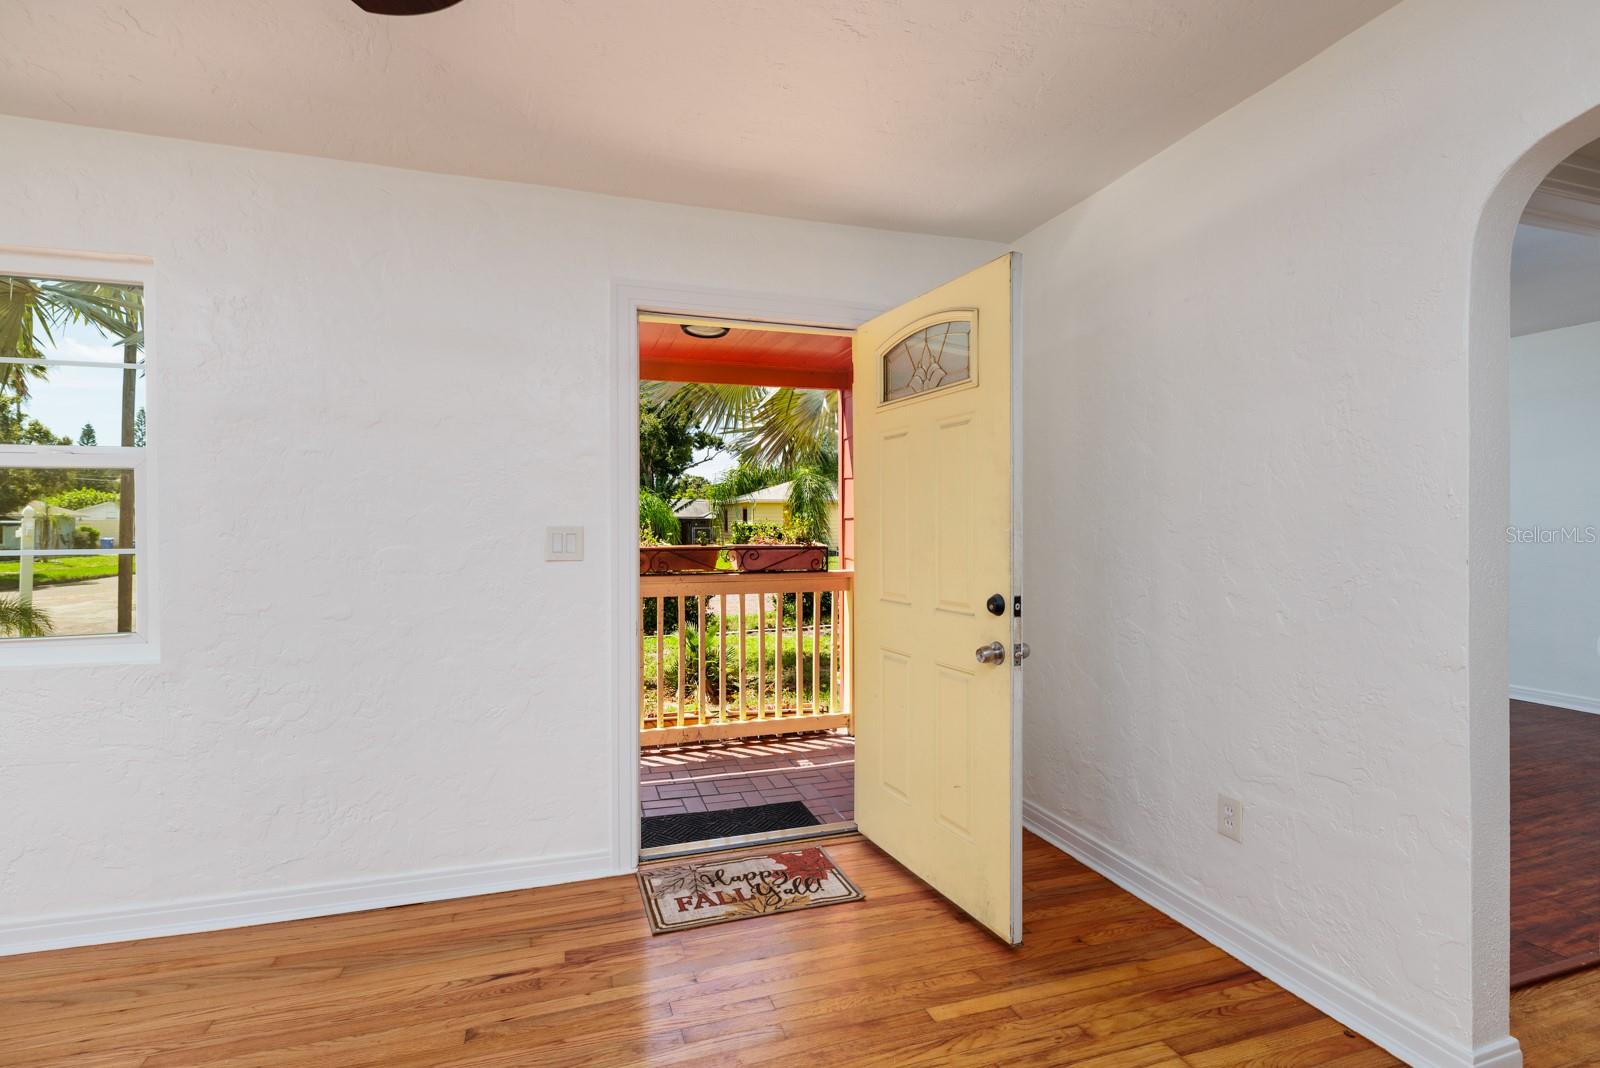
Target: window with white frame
[[72, 456]]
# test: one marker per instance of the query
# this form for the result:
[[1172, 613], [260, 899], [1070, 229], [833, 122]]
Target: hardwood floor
[[569, 975], [1558, 1021], [1555, 842]]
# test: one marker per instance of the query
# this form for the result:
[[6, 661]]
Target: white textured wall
[[370, 388], [1252, 491], [1555, 513]]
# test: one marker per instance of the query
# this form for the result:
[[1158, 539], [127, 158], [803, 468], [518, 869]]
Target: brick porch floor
[[816, 769]]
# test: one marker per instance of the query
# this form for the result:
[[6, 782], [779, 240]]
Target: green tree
[[811, 494], [694, 487], [774, 427], [668, 440], [20, 485], [86, 435], [657, 519], [80, 497], [138, 429]]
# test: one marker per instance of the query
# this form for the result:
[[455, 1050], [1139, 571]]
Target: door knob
[[993, 653]]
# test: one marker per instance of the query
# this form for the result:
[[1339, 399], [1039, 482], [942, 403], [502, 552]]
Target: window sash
[[95, 457], [17, 554], [108, 365]]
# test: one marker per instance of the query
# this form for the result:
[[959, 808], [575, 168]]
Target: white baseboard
[[1408, 1039], [1575, 702], [273, 906], [1506, 1053]]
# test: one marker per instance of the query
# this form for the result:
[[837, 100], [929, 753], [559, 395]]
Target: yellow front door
[[937, 717]]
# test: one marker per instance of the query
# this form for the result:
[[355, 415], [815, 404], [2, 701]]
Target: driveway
[[80, 607]]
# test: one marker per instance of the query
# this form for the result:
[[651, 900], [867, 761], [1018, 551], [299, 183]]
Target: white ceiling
[[980, 118]]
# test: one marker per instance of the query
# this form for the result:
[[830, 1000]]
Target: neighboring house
[[106, 517], [52, 528], [695, 518], [771, 505]]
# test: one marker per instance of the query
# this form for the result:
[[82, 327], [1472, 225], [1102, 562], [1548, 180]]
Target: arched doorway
[[1491, 538]]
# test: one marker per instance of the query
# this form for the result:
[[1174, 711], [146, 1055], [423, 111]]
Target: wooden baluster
[[850, 655], [740, 653], [816, 651], [644, 700], [799, 657], [661, 661], [682, 622], [761, 656], [700, 661], [848, 674], [833, 651], [722, 658]]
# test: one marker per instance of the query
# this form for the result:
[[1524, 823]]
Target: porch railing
[[739, 654]]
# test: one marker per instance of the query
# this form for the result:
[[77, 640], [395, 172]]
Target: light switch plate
[[563, 543]]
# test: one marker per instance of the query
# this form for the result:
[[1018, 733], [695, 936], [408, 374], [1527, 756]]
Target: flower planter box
[[677, 559], [779, 557]]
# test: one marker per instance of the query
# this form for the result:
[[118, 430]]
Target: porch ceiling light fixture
[[403, 7], [709, 333]]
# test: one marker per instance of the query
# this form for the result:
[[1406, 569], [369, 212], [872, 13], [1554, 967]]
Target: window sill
[[107, 650]]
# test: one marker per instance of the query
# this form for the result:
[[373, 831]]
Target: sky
[[712, 464], [73, 396]]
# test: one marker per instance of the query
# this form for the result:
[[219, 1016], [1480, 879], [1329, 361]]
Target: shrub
[[655, 515], [757, 533], [23, 620], [86, 538], [81, 497], [691, 613]]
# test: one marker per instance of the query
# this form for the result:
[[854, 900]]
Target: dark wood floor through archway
[[1555, 841]]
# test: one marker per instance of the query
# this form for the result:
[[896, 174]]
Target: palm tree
[[32, 311], [21, 619], [773, 426], [811, 493], [784, 434]]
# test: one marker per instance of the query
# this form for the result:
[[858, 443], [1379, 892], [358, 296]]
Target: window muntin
[[73, 428]]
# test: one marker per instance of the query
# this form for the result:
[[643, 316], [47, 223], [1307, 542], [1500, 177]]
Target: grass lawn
[[58, 569]]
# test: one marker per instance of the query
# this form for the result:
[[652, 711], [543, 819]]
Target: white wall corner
[[1406, 1038], [275, 906], [1571, 701]]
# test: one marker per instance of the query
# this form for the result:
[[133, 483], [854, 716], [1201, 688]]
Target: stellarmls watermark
[[1552, 535]]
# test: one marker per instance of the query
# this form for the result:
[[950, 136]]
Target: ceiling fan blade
[[403, 7]]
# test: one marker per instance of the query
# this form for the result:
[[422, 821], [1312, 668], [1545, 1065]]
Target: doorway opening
[[746, 554], [1553, 538]]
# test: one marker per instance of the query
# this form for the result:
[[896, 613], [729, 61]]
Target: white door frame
[[628, 299]]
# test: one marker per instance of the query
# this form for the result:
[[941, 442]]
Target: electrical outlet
[[1230, 818]]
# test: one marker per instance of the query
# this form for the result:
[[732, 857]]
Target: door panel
[[937, 782]]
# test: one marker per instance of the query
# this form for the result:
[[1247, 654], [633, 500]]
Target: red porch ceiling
[[745, 357]]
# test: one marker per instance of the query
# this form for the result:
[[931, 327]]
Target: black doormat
[[683, 827]]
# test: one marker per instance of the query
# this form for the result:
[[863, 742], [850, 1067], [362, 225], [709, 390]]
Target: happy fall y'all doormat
[[697, 893]]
